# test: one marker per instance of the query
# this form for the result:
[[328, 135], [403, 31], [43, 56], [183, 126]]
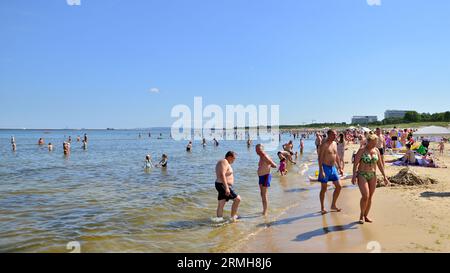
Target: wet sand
[[406, 219]]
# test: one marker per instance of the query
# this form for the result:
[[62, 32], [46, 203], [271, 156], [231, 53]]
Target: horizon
[[126, 65]]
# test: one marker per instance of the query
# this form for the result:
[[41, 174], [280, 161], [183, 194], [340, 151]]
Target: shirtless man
[[224, 185], [289, 147], [381, 144], [264, 165], [41, 141], [328, 159], [318, 141], [394, 137]]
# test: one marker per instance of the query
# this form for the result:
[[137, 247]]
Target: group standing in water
[[330, 148], [50, 147]]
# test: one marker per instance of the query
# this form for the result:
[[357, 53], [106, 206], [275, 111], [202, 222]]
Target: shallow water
[[103, 198]]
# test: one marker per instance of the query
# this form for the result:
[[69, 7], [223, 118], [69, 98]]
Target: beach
[[104, 199], [406, 219]]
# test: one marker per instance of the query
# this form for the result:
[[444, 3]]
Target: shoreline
[[406, 219]]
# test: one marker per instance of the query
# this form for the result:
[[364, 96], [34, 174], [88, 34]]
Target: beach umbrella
[[433, 131]]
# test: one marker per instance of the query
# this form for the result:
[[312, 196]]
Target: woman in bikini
[[364, 173]]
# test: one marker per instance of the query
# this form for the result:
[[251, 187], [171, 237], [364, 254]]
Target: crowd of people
[[330, 147], [66, 144]]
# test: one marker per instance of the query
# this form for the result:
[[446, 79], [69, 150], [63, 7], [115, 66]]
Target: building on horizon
[[395, 113], [364, 119]]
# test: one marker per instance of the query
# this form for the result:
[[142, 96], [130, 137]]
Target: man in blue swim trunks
[[328, 159]]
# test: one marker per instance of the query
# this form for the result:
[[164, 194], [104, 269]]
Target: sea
[[102, 199]]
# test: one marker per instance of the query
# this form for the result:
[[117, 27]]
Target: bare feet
[[361, 221], [368, 220], [234, 219], [323, 212], [336, 209]]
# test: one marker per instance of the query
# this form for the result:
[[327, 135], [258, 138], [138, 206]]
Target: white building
[[364, 119], [395, 113]]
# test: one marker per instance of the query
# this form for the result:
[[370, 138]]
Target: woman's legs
[[364, 189], [372, 184]]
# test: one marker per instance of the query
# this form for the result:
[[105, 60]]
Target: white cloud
[[374, 2], [154, 90], [73, 2]]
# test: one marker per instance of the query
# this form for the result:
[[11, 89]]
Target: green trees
[[413, 116]]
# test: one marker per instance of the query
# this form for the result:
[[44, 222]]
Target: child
[[163, 162], [148, 162], [441, 147], [282, 168]]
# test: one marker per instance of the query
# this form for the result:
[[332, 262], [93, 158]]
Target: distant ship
[[109, 128]]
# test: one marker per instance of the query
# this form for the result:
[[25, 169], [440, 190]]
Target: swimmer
[[216, 143], [189, 147], [84, 145], [264, 166], [78, 139], [85, 138], [289, 147], [287, 155], [163, 162], [13, 143], [41, 141], [148, 162], [204, 142], [70, 139], [66, 148], [50, 147], [282, 169], [249, 143]]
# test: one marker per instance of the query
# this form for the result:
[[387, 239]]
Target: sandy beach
[[406, 219]]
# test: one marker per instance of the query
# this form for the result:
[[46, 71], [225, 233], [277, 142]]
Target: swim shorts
[[265, 180], [331, 174], [221, 190], [394, 138], [381, 151]]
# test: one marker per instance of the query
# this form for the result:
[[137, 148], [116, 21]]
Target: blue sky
[[93, 65]]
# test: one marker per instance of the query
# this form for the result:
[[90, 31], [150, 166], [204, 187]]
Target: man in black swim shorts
[[224, 185]]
